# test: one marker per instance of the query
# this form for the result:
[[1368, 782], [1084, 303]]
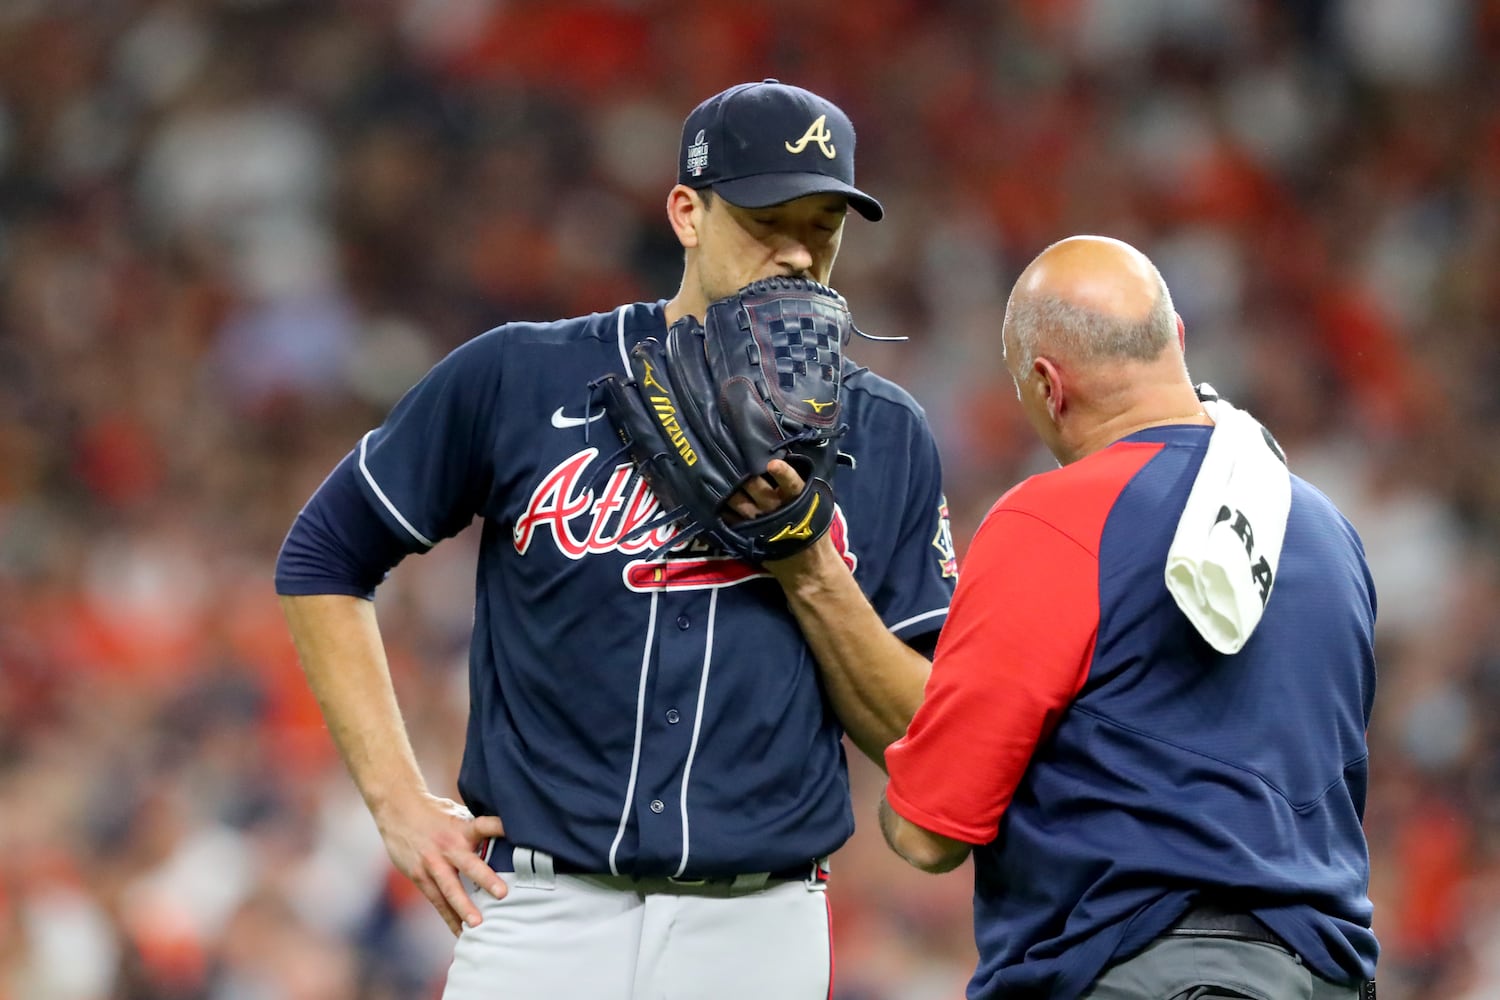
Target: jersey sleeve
[[1012, 657], [428, 469], [914, 595], [339, 544]]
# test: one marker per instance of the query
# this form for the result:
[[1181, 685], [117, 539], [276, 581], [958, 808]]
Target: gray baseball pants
[[615, 938], [1209, 968]]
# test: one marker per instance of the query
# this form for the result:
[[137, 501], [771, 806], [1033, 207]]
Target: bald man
[[1149, 818]]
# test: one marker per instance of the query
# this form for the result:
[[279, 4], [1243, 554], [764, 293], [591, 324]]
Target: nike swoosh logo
[[559, 421]]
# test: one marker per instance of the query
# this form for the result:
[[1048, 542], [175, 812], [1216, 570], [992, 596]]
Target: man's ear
[[1181, 333], [1050, 384], [684, 210]]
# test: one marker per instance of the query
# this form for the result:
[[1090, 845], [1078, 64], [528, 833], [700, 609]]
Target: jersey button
[[657, 805], [684, 622], [673, 717]]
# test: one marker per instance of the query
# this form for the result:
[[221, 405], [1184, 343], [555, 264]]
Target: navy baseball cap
[[760, 144]]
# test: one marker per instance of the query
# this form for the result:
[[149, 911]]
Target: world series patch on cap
[[760, 144]]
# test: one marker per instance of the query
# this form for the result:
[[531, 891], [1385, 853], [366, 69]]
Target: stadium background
[[232, 231]]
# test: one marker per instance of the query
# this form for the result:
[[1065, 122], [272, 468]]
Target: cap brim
[[764, 190]]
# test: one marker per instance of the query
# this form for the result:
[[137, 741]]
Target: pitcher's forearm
[[338, 641], [873, 679]]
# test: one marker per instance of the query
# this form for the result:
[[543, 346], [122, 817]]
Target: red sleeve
[[1012, 657]]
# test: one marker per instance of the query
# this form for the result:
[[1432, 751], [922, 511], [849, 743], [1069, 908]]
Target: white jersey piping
[[635, 755], [620, 338], [380, 494], [917, 618], [687, 768]]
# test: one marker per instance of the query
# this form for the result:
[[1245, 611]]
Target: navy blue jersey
[[1114, 766], [634, 716]]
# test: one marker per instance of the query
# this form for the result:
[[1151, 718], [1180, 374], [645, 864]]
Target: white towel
[[1222, 562]]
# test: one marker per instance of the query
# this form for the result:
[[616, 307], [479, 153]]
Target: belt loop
[[546, 870], [817, 877], [521, 863], [534, 869]]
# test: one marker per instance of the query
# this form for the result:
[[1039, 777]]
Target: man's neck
[[1110, 430], [686, 301]]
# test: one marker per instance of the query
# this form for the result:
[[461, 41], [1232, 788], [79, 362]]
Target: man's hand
[[433, 841], [761, 496], [780, 485]]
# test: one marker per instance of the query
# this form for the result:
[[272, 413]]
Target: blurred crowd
[[232, 232]]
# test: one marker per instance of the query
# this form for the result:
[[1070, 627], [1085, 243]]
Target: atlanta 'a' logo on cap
[[817, 133], [697, 155]]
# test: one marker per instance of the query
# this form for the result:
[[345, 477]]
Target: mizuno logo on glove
[[802, 529], [667, 414]]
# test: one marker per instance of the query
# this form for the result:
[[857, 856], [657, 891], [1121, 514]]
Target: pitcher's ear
[[685, 209]]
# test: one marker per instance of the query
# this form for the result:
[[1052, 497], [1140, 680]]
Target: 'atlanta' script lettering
[[583, 523]]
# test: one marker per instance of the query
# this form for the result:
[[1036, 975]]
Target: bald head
[[1092, 341], [1089, 299]]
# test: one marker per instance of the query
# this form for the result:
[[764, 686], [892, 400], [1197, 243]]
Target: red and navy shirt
[[1111, 763], [628, 714]]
